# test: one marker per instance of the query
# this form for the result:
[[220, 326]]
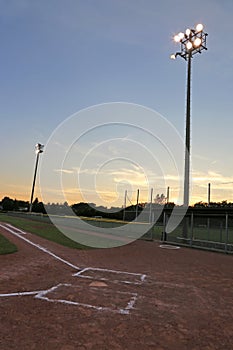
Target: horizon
[[60, 61]]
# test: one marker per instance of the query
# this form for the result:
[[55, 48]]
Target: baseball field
[[56, 294]]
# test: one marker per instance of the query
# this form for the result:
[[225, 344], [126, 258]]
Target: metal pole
[[136, 216], [226, 238], [124, 205], [208, 220], [168, 194], [34, 181], [164, 238], [192, 225], [187, 145], [151, 199], [208, 194], [187, 134]]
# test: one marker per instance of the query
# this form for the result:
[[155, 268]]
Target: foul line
[[81, 270], [43, 294], [45, 250]]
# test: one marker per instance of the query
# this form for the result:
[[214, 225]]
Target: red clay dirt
[[184, 302]]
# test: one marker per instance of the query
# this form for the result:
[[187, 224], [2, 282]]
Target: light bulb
[[177, 38], [189, 45], [197, 42], [199, 27]]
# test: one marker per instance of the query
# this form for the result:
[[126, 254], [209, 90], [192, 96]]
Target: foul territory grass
[[6, 247], [42, 229]]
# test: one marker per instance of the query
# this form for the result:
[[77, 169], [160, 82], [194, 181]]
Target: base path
[[137, 296]]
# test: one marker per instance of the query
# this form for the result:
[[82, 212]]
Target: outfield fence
[[206, 231]]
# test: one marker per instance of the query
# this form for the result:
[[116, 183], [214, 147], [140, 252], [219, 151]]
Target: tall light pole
[[38, 149], [191, 42]]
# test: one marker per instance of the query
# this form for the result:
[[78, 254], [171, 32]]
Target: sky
[[61, 57]]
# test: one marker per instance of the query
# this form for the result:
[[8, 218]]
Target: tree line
[[92, 210]]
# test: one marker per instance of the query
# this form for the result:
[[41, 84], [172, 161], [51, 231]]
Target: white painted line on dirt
[[42, 294], [17, 229], [80, 274], [132, 302], [19, 294], [124, 311], [45, 250]]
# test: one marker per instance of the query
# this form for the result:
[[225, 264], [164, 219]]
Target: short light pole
[[191, 42], [38, 149]]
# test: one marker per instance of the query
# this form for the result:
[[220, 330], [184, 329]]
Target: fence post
[[151, 199], [164, 235], [191, 236], [226, 228]]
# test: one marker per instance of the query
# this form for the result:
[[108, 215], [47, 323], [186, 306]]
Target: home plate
[[98, 284]]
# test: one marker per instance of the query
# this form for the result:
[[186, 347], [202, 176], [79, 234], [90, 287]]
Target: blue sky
[[58, 57]]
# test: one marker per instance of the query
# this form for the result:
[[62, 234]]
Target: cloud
[[65, 171], [216, 179]]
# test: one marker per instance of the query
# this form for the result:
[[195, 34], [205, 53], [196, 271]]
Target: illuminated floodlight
[[177, 38], [39, 148], [192, 41], [173, 56], [189, 45], [197, 42], [181, 35], [199, 27]]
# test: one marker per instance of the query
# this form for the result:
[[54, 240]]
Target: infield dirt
[[184, 302]]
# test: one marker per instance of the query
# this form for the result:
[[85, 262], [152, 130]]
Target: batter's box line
[[80, 275], [124, 311]]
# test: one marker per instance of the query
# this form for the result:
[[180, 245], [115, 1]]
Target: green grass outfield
[[43, 229]]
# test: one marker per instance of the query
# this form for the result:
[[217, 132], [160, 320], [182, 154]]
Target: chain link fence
[[207, 231]]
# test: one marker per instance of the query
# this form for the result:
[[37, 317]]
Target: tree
[[38, 207], [8, 204]]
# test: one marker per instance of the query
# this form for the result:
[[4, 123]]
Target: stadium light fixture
[[192, 42], [38, 150]]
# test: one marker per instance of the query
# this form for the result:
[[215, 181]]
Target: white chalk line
[[45, 250], [17, 229], [80, 274], [41, 294], [19, 294], [126, 310]]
